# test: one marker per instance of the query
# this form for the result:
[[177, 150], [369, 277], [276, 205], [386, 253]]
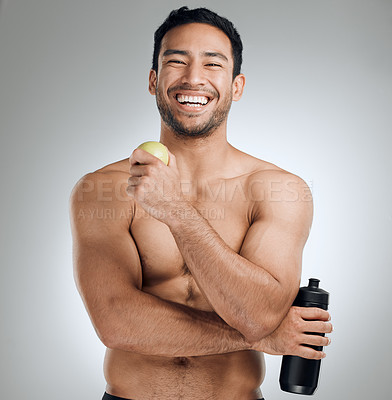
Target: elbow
[[112, 338], [258, 330], [108, 336], [253, 335], [114, 342], [109, 340]]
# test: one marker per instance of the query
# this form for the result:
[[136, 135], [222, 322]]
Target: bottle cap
[[312, 294]]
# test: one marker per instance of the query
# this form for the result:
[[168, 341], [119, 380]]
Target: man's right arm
[[108, 275]]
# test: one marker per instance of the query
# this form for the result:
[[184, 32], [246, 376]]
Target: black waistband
[[108, 396]]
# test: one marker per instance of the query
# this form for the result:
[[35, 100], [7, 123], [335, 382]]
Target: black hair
[[184, 16]]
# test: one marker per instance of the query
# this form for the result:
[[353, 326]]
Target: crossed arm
[[253, 290], [108, 276], [250, 304]]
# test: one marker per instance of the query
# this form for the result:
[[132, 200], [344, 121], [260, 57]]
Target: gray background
[[73, 97]]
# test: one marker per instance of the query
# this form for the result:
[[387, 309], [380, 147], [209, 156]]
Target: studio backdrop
[[73, 98]]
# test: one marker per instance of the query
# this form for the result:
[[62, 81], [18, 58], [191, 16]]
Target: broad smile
[[192, 101]]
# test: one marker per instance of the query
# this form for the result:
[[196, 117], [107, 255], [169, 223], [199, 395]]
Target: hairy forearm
[[242, 293], [149, 325]]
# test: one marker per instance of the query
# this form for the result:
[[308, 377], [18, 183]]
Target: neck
[[199, 158]]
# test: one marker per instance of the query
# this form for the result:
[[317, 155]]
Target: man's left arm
[[252, 290]]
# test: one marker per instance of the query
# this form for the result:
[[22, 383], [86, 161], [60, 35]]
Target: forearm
[[244, 294], [149, 325]]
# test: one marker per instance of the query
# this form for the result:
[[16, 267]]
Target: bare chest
[[165, 273]]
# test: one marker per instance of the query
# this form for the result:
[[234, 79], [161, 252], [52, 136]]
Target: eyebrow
[[214, 54], [203, 53]]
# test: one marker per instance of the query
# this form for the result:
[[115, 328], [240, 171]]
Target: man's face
[[194, 87]]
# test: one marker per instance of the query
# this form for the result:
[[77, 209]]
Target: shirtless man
[[188, 271]]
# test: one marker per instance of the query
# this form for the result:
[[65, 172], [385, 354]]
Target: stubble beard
[[202, 130]]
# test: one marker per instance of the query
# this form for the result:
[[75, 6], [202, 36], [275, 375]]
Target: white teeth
[[192, 99]]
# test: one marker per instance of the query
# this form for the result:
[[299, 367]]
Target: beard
[[201, 130]]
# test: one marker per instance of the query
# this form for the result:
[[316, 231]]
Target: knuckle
[[296, 315], [292, 349], [306, 352], [143, 179], [315, 355], [295, 310], [326, 328], [317, 313], [320, 327], [137, 191], [321, 341], [149, 169], [318, 356], [297, 324]]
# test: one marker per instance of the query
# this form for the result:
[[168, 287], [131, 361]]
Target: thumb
[[172, 160]]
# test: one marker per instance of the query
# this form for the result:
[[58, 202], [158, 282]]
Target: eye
[[213, 65], [176, 62]]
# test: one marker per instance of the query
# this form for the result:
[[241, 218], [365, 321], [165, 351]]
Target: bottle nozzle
[[313, 282]]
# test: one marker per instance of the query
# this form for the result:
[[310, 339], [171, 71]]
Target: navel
[[182, 361]]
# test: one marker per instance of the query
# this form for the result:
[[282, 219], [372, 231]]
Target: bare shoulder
[[277, 184], [277, 193], [101, 195], [268, 181], [96, 185]]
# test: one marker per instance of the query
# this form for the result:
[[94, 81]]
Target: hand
[[293, 333], [155, 186]]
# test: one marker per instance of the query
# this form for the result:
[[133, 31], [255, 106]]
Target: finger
[[315, 340], [308, 352], [172, 160], [317, 326], [135, 180], [313, 313], [139, 169], [137, 188], [130, 190], [140, 156]]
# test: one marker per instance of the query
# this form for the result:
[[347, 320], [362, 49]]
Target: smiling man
[[188, 271]]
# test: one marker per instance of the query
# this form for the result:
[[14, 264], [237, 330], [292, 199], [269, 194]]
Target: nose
[[193, 75]]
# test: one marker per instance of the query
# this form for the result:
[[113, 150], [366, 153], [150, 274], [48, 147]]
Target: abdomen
[[235, 375]]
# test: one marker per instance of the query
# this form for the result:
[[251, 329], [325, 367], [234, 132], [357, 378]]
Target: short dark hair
[[184, 16]]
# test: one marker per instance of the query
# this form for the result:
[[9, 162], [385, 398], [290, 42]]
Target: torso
[[226, 204]]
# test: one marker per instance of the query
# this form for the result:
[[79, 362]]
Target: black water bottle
[[300, 375]]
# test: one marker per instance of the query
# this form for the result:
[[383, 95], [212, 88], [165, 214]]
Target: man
[[188, 270]]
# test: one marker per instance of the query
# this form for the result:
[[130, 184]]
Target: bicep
[[276, 239], [106, 261]]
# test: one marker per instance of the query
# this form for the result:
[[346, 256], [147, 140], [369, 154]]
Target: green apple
[[157, 149]]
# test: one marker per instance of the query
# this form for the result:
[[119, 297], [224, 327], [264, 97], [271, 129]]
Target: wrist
[[263, 345], [180, 214]]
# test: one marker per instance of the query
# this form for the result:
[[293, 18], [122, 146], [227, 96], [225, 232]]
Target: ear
[[238, 86], [152, 82]]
